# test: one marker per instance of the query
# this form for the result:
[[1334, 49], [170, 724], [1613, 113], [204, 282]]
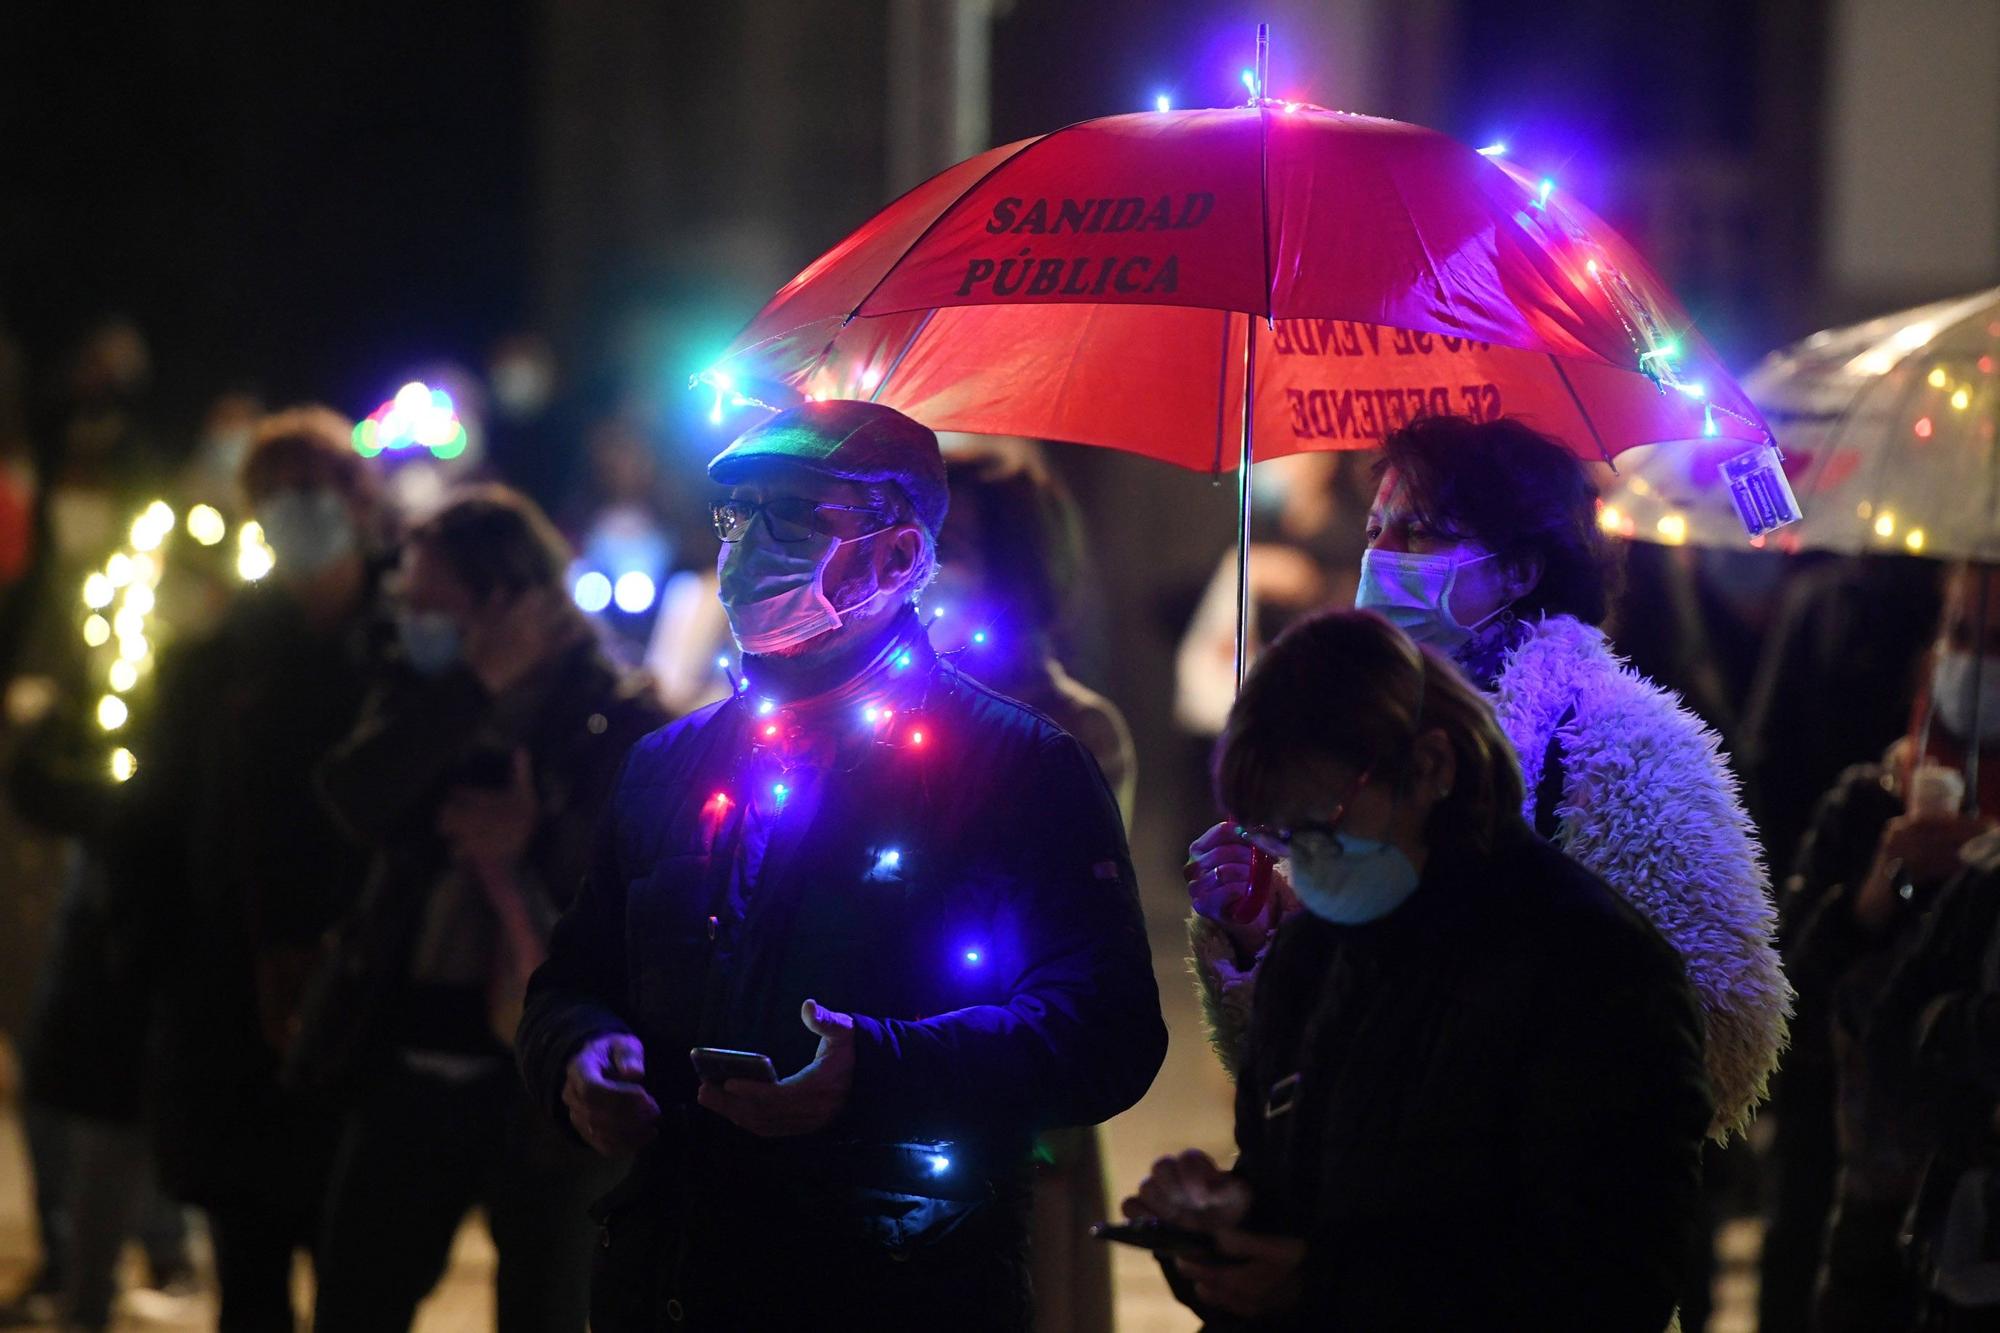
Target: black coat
[[227, 874], [1500, 1110], [969, 899]]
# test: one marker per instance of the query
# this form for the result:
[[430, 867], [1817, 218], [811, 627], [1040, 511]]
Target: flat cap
[[853, 441]]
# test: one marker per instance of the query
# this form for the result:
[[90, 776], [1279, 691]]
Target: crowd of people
[[425, 879]]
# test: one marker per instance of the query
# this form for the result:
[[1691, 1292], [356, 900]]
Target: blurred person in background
[[907, 892], [1837, 676], [1935, 1035], [84, 1053], [1010, 560], [1886, 838], [227, 871], [623, 525], [1306, 510], [1472, 1091], [477, 773]]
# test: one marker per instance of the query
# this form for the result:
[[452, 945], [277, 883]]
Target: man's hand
[[607, 1100], [486, 827], [503, 645], [802, 1104]]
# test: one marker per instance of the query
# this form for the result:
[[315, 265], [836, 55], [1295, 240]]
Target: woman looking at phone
[[1471, 1093]]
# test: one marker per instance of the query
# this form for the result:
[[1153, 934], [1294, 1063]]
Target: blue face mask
[[306, 530], [1350, 881], [430, 640]]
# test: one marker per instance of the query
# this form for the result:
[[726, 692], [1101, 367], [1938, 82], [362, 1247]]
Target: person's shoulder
[[654, 753], [1572, 915], [995, 716]]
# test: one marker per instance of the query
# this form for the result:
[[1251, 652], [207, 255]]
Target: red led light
[[1986, 365], [916, 738], [771, 730], [1923, 428]]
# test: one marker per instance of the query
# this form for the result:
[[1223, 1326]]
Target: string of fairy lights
[[120, 605]]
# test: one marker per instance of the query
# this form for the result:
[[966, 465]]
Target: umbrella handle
[[1970, 804]]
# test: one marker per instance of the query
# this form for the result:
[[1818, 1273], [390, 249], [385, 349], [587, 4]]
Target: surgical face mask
[[430, 640], [1350, 881], [774, 593], [1413, 593], [306, 530], [1952, 693]]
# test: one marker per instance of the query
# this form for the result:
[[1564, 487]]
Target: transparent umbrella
[[1888, 432]]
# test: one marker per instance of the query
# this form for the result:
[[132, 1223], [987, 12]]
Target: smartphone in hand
[[715, 1065], [1165, 1239]]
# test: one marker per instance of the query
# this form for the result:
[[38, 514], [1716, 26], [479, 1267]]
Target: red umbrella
[[1118, 282]]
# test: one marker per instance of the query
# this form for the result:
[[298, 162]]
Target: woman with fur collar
[[1483, 543]]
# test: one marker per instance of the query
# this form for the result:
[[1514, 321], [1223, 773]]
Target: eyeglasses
[[1276, 840], [787, 518]]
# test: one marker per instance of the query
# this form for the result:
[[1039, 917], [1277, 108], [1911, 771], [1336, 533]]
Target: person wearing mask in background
[[868, 869], [228, 872], [1483, 543], [477, 773], [1472, 1091], [1011, 558], [1884, 842]]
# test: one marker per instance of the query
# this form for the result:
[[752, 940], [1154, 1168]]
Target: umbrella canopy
[[1888, 432], [1107, 283]]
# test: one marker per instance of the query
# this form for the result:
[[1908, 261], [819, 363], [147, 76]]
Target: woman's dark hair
[[1347, 688], [1519, 494], [1030, 535], [494, 539], [310, 437]]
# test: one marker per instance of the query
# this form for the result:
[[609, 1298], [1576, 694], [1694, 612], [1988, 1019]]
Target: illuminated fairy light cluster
[[121, 601], [418, 417], [595, 591], [777, 734]]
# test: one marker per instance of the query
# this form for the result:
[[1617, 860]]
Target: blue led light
[[979, 636], [766, 707], [1163, 103], [1493, 150], [592, 592], [722, 662], [903, 660], [780, 790], [871, 714], [940, 1164], [1548, 188], [973, 957]]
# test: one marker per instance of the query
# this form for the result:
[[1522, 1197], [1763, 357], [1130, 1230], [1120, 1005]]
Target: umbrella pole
[[1970, 805], [1243, 498]]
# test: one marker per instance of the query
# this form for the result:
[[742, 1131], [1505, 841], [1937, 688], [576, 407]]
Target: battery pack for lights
[[1760, 490]]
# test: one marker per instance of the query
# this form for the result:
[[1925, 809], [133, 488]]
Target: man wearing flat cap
[[913, 895]]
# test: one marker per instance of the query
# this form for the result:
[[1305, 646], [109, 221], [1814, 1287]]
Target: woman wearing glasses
[[1471, 1092]]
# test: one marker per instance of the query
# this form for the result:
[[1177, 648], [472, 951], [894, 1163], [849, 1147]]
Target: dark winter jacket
[[228, 873], [1499, 1107], [957, 879]]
